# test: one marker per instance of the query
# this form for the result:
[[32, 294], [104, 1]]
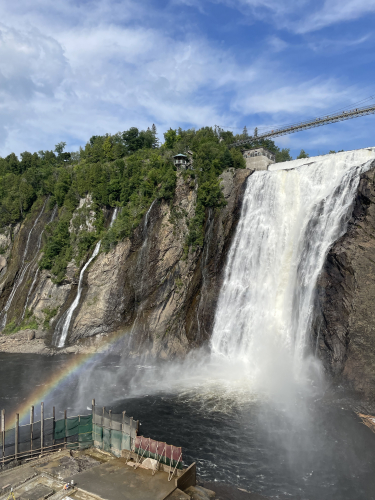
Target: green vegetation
[[302, 154], [28, 323], [128, 170], [49, 314]]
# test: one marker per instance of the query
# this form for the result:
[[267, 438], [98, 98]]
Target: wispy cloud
[[335, 12], [69, 70], [298, 16]]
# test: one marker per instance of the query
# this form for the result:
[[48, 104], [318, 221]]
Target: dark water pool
[[319, 451]]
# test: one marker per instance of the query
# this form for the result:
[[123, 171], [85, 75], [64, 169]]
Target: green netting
[[98, 434], [126, 442], [107, 440], [72, 426], [77, 429], [116, 442], [59, 432]]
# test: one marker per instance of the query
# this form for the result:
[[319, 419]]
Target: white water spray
[[290, 218], [62, 327], [23, 269]]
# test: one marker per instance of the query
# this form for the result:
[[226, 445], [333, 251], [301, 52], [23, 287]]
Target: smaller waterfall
[[62, 327], [114, 216], [35, 258], [24, 268], [145, 227]]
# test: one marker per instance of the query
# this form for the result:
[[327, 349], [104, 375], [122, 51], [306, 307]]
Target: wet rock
[[200, 493], [344, 327]]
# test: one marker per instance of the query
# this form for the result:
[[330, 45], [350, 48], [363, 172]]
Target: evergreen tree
[[245, 134], [302, 154], [154, 133], [283, 155]]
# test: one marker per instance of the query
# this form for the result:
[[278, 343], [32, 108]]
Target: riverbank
[[29, 342]]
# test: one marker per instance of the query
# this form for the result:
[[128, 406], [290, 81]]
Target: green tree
[[59, 148], [170, 138], [283, 155], [302, 154], [155, 143]]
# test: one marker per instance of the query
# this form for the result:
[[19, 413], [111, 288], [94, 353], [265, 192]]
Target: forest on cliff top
[[127, 170]]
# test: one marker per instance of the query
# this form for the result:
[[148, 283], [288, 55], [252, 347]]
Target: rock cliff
[[344, 327], [146, 290]]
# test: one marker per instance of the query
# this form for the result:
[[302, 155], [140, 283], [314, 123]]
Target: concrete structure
[[258, 158], [97, 476]]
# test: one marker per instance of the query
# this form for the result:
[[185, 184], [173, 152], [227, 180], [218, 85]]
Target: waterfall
[[35, 258], [145, 232], [291, 216], [62, 328], [23, 269]]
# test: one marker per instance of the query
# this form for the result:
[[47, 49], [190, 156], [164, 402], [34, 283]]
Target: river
[[233, 438]]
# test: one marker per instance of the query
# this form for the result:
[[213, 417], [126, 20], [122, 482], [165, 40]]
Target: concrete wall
[[258, 163]]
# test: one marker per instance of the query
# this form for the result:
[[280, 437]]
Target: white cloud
[[298, 16], [334, 12], [76, 69]]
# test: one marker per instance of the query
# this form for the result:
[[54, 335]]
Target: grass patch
[[49, 314], [28, 323]]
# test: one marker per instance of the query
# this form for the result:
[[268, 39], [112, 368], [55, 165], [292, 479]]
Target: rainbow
[[72, 367]]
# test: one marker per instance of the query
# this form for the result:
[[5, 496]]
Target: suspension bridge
[[316, 122]]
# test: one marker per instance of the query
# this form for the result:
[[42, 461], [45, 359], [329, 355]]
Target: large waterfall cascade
[[291, 216], [62, 327]]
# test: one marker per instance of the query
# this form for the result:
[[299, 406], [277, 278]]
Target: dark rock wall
[[344, 329]]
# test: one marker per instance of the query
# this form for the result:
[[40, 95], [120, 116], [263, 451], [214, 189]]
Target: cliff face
[[144, 289], [345, 321]]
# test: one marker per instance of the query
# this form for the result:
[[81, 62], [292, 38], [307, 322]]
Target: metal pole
[[110, 429], [103, 427], [123, 421], [131, 430], [79, 424], [3, 432], [122, 428], [53, 425], [16, 437], [65, 426], [41, 427], [31, 428]]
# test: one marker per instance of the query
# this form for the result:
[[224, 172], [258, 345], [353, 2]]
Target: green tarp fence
[[113, 432], [77, 431], [111, 440]]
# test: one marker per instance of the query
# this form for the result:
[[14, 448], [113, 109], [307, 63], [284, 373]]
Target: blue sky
[[70, 70]]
